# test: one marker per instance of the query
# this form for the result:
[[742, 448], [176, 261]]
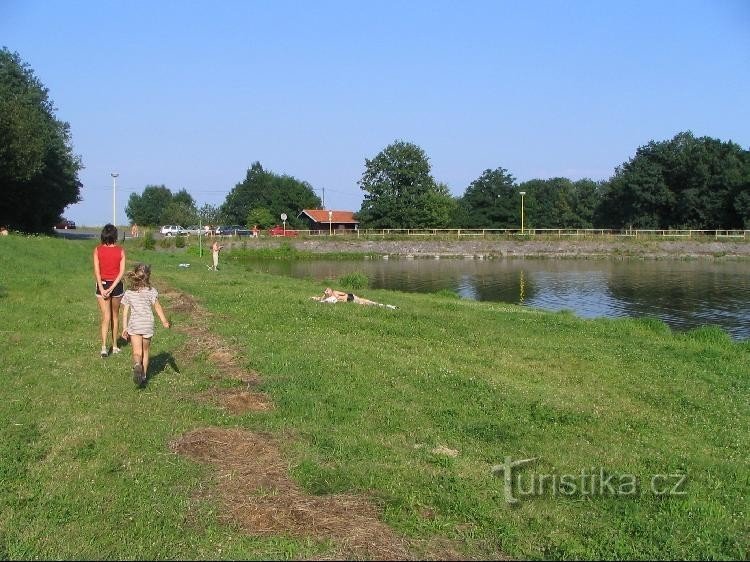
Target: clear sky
[[190, 93]]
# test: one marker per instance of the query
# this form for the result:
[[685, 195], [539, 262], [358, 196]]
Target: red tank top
[[109, 261]]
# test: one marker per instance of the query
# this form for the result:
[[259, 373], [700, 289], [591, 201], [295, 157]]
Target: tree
[[38, 170], [260, 216], [182, 197], [685, 182], [149, 207], [179, 212], [636, 197], [438, 208], [400, 192], [276, 193], [209, 214], [549, 203], [491, 201], [585, 199]]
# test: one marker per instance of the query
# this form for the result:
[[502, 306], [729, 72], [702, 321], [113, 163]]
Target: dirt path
[[252, 483]]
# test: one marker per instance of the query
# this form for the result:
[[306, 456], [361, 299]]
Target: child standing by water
[[141, 298]]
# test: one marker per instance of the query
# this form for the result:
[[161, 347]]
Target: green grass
[[368, 393]]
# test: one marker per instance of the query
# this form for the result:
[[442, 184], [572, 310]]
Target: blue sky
[[189, 94]]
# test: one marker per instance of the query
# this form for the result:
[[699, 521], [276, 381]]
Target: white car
[[194, 229], [172, 230]]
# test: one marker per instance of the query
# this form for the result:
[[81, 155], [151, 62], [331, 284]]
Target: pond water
[[684, 294]]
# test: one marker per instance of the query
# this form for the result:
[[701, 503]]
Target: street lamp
[[522, 194], [114, 191], [200, 234], [330, 225]]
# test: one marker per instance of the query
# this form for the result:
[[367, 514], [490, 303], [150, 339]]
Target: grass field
[[409, 408]]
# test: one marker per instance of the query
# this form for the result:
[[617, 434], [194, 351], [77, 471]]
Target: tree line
[[685, 182]]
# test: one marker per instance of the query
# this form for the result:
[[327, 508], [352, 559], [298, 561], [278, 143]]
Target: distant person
[[109, 268], [333, 296], [3, 231], [138, 318], [134, 231], [215, 249], [255, 231]]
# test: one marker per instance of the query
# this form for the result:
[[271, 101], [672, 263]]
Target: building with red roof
[[323, 220]]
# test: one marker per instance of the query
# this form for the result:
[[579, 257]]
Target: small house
[[323, 220]]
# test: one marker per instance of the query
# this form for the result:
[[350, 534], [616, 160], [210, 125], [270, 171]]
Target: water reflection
[[684, 294]]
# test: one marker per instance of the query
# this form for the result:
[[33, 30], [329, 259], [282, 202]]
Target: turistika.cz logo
[[589, 482]]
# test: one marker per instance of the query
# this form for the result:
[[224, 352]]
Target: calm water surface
[[684, 294]]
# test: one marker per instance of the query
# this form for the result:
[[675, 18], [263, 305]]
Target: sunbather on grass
[[333, 296]]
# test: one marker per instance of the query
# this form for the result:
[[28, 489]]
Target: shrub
[[148, 242], [448, 294], [355, 280], [165, 242], [179, 242]]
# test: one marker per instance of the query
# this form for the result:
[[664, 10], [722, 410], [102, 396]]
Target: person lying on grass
[[333, 296]]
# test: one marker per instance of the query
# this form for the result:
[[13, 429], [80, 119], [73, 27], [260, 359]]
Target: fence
[[528, 233]]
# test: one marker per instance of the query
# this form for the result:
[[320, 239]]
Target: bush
[[195, 250], [165, 243], [179, 242], [148, 242], [448, 294], [355, 280]]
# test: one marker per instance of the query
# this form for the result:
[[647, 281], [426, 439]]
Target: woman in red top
[[109, 268]]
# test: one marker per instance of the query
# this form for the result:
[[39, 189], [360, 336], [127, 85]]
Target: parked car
[[280, 231], [231, 230], [65, 224], [172, 230], [194, 229]]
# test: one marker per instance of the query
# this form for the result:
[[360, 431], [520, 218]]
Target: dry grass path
[[253, 487]]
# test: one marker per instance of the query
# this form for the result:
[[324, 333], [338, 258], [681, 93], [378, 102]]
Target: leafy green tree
[[400, 192], [636, 197], [548, 203], [179, 212], [182, 197], [38, 170], [742, 206], [148, 208], [685, 182], [438, 207], [585, 199], [263, 189], [209, 214], [260, 216], [491, 201]]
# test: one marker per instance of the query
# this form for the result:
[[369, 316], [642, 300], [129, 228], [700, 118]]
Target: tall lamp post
[[114, 191], [200, 234], [522, 194], [330, 225]]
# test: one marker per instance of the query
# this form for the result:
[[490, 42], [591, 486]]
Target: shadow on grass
[[158, 363]]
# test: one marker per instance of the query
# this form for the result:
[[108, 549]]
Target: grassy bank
[[411, 407]]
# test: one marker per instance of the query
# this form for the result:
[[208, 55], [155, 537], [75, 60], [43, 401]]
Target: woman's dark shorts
[[349, 297], [118, 291]]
